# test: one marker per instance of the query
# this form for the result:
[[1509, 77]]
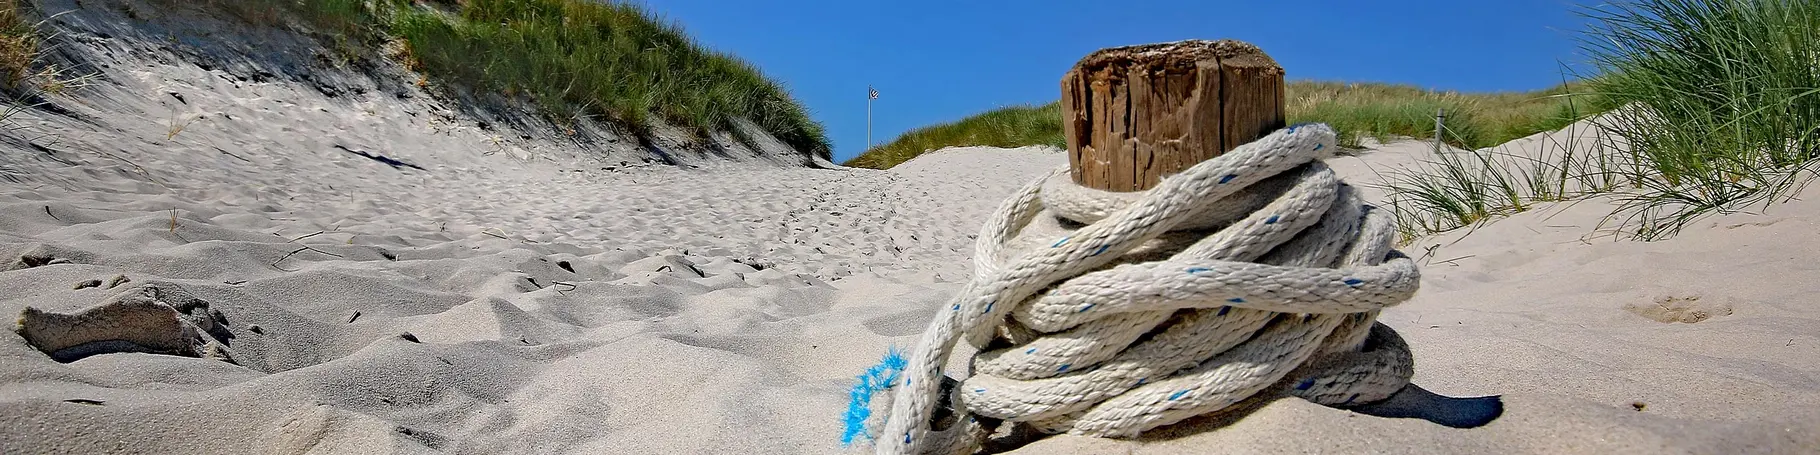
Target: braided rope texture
[[1107, 314]]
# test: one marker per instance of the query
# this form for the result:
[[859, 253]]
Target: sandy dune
[[211, 254]]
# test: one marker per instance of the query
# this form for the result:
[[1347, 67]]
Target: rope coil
[[1107, 314]]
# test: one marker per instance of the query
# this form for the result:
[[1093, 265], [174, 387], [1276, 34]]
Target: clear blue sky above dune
[[939, 61]]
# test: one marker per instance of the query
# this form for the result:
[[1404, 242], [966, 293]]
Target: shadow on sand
[[1419, 403], [1413, 402]]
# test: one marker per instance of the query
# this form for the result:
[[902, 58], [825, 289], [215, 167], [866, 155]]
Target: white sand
[[625, 309]]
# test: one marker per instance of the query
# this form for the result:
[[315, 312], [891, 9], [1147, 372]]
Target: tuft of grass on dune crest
[[1014, 126], [1709, 107], [571, 58], [1356, 110]]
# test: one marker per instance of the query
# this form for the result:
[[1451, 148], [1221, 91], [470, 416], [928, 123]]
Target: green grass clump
[[1014, 126], [1459, 188], [1356, 110], [18, 45], [1710, 107], [573, 58], [25, 77], [1720, 102]]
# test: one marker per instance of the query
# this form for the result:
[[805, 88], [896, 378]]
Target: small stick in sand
[[307, 236], [501, 233], [559, 290], [1451, 261], [47, 211], [274, 264]]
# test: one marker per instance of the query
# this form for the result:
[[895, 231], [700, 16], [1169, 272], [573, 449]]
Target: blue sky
[[939, 61]]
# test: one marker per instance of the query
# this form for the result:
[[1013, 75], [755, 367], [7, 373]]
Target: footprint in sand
[[1671, 307]]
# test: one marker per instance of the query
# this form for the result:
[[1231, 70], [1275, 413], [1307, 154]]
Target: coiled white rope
[[1252, 269]]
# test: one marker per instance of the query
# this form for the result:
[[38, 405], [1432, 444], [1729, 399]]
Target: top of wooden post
[[1134, 114], [1180, 55]]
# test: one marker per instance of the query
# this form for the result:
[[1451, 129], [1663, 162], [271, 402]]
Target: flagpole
[[868, 118]]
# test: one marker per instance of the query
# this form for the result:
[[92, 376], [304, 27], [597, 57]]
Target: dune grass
[[1385, 111], [25, 77], [1711, 107], [18, 44], [1014, 126], [1356, 110], [571, 58], [1727, 97]]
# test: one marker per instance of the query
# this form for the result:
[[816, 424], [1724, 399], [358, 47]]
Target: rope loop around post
[[1108, 314]]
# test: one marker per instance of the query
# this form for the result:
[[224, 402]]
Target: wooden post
[[1137, 113], [1440, 129]]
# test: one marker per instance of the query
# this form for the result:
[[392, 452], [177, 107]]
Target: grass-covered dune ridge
[[1472, 120], [571, 57], [1356, 110], [1013, 126]]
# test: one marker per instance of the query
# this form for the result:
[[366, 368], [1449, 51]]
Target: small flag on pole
[[871, 93]]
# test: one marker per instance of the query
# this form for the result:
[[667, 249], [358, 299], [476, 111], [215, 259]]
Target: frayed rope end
[[879, 378]]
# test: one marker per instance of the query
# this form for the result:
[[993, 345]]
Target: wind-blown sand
[[479, 290]]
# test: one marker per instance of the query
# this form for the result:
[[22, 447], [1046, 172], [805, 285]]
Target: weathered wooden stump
[[1137, 113]]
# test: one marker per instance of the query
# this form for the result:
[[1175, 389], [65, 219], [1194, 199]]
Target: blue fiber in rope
[[879, 378]]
